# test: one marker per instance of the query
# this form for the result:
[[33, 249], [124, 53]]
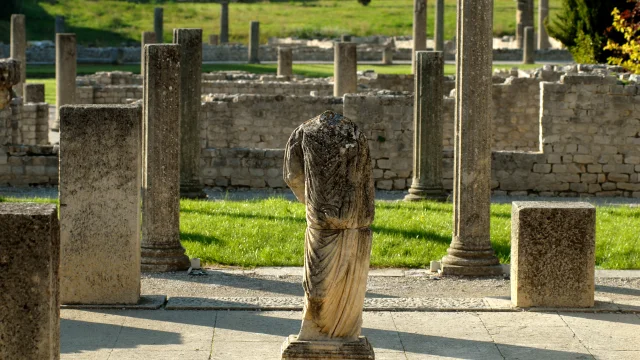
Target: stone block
[[29, 281], [100, 180], [33, 93], [552, 254]]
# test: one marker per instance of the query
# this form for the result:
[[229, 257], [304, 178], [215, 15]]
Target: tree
[[627, 52], [364, 2], [581, 26]]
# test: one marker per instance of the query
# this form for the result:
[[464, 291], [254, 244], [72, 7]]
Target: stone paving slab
[[146, 302]]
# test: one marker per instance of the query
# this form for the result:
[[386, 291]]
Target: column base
[[163, 260], [471, 263], [192, 191], [421, 194], [292, 348]]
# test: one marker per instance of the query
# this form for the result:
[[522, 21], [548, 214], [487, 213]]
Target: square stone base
[[321, 350]]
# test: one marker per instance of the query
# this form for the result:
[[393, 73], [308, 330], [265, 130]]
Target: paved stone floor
[[247, 335]]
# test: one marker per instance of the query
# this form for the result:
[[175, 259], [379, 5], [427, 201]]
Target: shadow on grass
[[202, 239]]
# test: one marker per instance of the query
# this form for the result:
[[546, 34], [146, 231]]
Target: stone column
[[158, 24], [59, 24], [470, 252], [33, 93], [524, 18], [224, 22], [345, 69], [100, 180], [18, 48], [528, 52], [428, 128], [285, 61], [190, 41], [66, 61], [254, 43], [214, 39], [439, 26], [419, 29], [29, 281], [543, 13], [148, 37], [161, 248], [387, 55]]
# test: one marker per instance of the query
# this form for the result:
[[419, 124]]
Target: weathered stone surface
[[285, 62], [29, 281], [190, 41], [148, 37], [33, 93], [529, 46], [18, 48], [100, 204], [470, 252], [161, 248], [552, 254], [254, 43], [543, 13], [66, 62], [345, 69], [224, 22], [427, 128], [328, 168], [9, 76], [419, 29], [158, 14]]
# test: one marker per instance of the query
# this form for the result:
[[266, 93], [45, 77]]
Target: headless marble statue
[[328, 167]]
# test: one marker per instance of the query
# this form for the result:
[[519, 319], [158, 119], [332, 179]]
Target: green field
[[114, 22], [271, 233]]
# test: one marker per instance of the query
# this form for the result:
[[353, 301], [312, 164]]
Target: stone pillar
[[148, 37], [419, 29], [439, 26], [428, 128], [66, 61], [387, 55], [161, 248], [470, 252], [224, 22], [100, 179], [528, 53], [345, 38], [285, 61], [158, 24], [29, 281], [18, 49], [345, 69], [553, 254], [524, 18], [543, 13], [214, 39], [33, 93], [190, 41], [254, 43], [59, 24]]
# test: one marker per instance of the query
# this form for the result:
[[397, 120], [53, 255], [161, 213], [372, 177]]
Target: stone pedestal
[[66, 62], [224, 22], [428, 127], [419, 29], [29, 281], [528, 53], [33, 93], [18, 48], [524, 18], [161, 248], [543, 13], [387, 55], [158, 24], [439, 26], [214, 40], [254, 43], [304, 350], [59, 24], [345, 69], [285, 61], [100, 204], [553, 254], [148, 37], [190, 41], [470, 252], [9, 76]]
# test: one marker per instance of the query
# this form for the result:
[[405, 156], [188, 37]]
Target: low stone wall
[[22, 165], [266, 88], [26, 124]]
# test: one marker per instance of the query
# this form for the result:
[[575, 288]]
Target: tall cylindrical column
[[543, 13], [419, 29], [190, 41], [427, 127], [59, 24], [254, 43], [158, 24], [224, 22], [161, 248], [285, 61], [524, 18], [439, 27], [18, 48], [529, 46], [66, 60], [345, 69], [470, 252], [148, 37]]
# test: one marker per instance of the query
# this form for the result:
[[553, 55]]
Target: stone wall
[[321, 88], [26, 124], [22, 165]]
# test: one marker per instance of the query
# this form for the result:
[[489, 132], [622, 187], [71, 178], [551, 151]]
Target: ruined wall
[[266, 88], [22, 165], [26, 124]]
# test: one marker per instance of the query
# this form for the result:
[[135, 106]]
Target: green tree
[[581, 26]]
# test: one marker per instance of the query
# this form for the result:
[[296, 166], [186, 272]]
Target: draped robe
[[328, 167]]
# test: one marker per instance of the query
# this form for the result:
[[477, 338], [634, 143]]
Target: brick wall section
[[26, 124], [266, 88], [516, 112], [22, 165]]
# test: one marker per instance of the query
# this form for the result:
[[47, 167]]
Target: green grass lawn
[[271, 233], [113, 22]]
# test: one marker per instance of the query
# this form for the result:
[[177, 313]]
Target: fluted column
[[419, 29]]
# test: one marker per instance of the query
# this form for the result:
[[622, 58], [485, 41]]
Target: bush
[[627, 52]]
